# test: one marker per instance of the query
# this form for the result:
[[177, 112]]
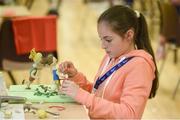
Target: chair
[[9, 59], [27, 3], [54, 10], [170, 28], [88, 1], [169, 25]]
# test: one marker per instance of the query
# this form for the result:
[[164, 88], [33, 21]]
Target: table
[[72, 111]]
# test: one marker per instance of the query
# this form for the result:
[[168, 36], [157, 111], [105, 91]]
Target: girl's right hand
[[68, 68]]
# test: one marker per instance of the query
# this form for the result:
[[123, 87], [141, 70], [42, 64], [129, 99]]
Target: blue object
[[55, 75]]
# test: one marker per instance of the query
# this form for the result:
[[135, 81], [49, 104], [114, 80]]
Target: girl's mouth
[[108, 52]]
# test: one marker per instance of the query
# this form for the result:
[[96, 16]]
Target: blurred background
[[78, 41]]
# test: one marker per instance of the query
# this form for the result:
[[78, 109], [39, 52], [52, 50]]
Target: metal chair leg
[[175, 55], [12, 78], [162, 66], [163, 63], [29, 3], [175, 91]]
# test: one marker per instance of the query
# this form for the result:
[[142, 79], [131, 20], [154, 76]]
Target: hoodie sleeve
[[81, 80], [135, 92]]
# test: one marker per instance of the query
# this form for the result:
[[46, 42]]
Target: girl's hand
[[68, 68], [69, 88]]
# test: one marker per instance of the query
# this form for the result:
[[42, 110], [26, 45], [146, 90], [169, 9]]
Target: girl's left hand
[[70, 88]]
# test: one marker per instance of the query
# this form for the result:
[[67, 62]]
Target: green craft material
[[20, 90]]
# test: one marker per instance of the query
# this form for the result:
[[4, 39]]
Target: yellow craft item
[[7, 114], [42, 114], [32, 54], [35, 56]]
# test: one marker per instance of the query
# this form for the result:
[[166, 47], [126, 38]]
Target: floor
[[78, 42]]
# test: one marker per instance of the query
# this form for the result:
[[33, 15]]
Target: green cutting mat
[[19, 90]]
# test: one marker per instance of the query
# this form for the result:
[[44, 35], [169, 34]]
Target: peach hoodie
[[127, 90]]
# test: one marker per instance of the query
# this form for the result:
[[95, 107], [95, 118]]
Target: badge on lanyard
[[101, 79]]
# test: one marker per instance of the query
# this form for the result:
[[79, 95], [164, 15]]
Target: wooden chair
[[170, 28]]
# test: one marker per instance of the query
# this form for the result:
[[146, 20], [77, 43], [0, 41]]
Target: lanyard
[[108, 73]]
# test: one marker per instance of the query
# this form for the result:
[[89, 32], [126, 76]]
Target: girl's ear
[[129, 35]]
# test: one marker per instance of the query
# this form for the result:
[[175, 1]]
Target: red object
[[60, 108], [35, 32]]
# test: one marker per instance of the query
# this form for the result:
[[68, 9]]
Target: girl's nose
[[103, 46]]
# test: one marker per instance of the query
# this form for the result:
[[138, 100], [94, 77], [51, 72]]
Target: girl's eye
[[109, 40]]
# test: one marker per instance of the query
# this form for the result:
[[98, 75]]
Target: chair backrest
[[8, 48], [35, 32], [169, 20]]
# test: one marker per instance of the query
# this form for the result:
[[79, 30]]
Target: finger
[[69, 65], [64, 91], [62, 78], [66, 66], [65, 84], [61, 68], [64, 87], [68, 82]]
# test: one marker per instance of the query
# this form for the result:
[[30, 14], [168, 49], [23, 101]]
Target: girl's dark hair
[[121, 19]]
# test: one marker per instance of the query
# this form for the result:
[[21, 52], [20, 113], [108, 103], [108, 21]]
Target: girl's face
[[112, 43]]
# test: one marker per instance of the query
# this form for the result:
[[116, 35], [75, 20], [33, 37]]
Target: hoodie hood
[[143, 54], [139, 53]]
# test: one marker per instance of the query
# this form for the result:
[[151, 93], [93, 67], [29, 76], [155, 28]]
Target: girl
[[127, 76]]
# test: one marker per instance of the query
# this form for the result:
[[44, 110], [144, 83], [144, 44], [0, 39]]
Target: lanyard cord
[[109, 78], [100, 80]]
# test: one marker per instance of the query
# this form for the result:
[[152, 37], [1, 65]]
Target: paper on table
[[17, 112], [19, 90], [22, 88]]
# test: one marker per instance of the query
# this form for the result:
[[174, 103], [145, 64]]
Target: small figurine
[[39, 63]]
